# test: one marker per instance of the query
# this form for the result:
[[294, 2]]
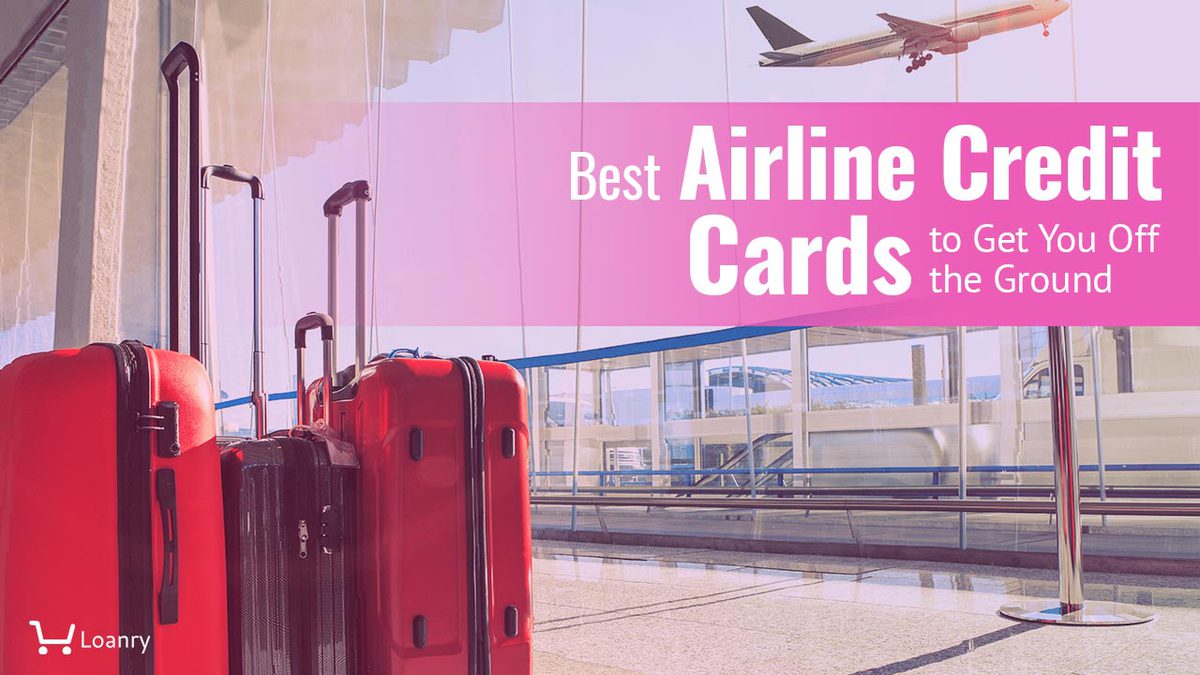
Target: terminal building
[[633, 433]]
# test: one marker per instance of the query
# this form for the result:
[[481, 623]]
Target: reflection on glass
[[853, 368], [680, 385], [33, 101], [682, 459]]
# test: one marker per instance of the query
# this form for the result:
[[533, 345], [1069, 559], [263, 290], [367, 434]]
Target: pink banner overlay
[[786, 214]]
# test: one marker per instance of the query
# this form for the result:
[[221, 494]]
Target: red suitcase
[[444, 524], [111, 543]]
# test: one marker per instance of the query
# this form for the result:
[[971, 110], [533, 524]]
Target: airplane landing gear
[[918, 61], [1046, 29]]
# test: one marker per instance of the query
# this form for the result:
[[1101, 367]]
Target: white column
[[100, 60], [800, 405], [658, 447]]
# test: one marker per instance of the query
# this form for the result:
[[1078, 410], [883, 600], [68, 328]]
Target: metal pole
[[331, 263], [1096, 389], [258, 359], [1070, 608], [205, 295], [301, 404], [208, 344], [575, 449], [806, 408], [749, 425], [360, 286], [964, 422], [1066, 470], [583, 35]]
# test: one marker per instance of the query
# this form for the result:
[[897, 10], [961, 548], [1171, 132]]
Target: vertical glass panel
[[683, 459], [560, 396], [681, 386], [721, 380], [33, 103], [1035, 365], [625, 384], [769, 362], [1149, 404], [854, 368], [880, 405]]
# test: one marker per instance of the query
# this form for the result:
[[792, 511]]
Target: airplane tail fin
[[778, 34]]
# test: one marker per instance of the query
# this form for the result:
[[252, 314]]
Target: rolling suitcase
[[291, 502], [444, 525], [111, 544]]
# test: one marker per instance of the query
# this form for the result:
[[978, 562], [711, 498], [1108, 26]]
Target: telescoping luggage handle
[[308, 322], [258, 398], [359, 192], [183, 57]]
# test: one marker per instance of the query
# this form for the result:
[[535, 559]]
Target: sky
[[677, 50]]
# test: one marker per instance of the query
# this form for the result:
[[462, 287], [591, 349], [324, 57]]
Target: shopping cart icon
[[45, 641]]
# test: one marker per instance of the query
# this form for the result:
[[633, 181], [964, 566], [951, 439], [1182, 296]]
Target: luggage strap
[[479, 634]]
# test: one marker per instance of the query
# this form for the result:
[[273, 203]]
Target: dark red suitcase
[[444, 524], [291, 501], [111, 544]]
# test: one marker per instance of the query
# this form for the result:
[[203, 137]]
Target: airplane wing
[[917, 34], [910, 28]]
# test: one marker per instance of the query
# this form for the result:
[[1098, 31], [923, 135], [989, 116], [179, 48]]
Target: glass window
[[879, 367], [682, 454], [1037, 385], [626, 398], [627, 457], [769, 363], [560, 396], [721, 373], [33, 103], [681, 387]]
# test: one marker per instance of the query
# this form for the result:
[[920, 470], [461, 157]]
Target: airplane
[[910, 38]]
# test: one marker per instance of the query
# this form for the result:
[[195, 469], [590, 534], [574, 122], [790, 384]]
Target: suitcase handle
[[352, 191], [233, 174], [306, 323], [258, 399], [183, 57], [168, 593], [359, 192]]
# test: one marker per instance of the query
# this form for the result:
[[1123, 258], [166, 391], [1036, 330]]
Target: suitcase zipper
[[134, 535], [298, 463], [303, 539]]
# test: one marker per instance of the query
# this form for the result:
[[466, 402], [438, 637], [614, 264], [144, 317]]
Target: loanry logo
[[86, 641]]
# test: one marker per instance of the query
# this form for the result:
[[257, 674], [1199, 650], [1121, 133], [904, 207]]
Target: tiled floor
[[612, 609]]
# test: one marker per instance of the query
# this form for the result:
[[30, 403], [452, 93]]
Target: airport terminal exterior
[[867, 419], [825, 410], [881, 415]]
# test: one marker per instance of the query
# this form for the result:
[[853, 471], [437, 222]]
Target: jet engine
[[953, 48], [966, 32]]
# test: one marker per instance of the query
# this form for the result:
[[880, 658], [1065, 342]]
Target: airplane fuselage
[[966, 28]]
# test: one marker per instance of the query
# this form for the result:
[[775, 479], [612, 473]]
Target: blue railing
[[936, 470], [245, 400]]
